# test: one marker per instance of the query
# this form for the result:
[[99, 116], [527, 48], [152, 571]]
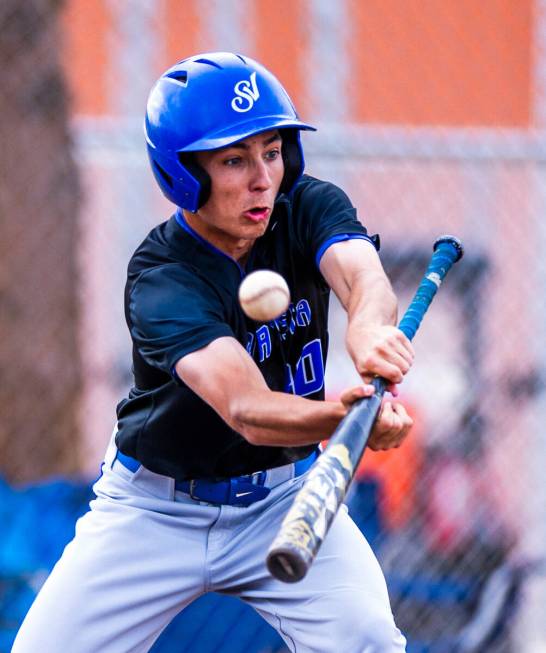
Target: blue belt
[[236, 491]]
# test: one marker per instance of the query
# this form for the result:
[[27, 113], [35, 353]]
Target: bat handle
[[447, 251]]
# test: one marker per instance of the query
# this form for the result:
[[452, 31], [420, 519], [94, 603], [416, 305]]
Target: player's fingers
[[349, 396], [392, 427], [393, 389], [390, 422], [382, 354], [384, 428], [406, 348], [390, 356], [406, 421], [397, 345], [396, 359], [402, 413], [378, 366], [390, 387]]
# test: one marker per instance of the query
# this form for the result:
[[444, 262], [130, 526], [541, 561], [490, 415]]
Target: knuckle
[[362, 366], [386, 422]]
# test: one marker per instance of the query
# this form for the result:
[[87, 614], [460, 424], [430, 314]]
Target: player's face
[[245, 180]]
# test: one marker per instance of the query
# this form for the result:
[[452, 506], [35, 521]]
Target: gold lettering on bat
[[307, 521], [300, 535], [340, 453], [306, 506]]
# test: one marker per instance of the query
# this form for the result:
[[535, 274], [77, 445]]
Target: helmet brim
[[224, 138]]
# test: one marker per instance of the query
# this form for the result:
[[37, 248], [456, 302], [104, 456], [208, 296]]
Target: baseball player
[[225, 416]]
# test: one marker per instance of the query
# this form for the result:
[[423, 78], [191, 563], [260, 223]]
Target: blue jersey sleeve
[[325, 215], [173, 312]]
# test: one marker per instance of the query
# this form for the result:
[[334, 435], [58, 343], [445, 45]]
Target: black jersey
[[181, 294]]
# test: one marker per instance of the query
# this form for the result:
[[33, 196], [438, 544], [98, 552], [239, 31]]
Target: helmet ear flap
[[187, 159], [175, 180], [292, 155]]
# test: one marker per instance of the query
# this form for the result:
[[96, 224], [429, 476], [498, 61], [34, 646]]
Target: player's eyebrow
[[243, 146]]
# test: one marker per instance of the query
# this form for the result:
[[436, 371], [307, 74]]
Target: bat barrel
[[317, 503]]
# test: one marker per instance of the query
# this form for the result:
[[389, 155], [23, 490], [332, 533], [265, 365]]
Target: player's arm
[[226, 377], [354, 272], [378, 348]]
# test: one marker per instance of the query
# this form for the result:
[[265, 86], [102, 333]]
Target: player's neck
[[236, 248]]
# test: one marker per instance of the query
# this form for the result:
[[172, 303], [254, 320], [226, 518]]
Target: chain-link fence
[[431, 116]]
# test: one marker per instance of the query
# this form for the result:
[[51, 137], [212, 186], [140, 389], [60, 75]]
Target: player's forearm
[[279, 419], [376, 346], [354, 272], [370, 300]]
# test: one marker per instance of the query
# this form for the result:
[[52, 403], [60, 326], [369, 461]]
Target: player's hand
[[392, 426], [349, 396], [380, 351]]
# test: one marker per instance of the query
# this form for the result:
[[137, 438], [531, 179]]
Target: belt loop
[[192, 487], [111, 451], [258, 478], [153, 483]]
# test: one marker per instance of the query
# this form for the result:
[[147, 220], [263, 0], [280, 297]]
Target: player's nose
[[260, 176]]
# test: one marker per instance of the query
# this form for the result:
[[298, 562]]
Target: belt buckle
[[216, 493]]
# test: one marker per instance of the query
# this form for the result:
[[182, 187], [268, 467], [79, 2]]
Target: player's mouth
[[258, 213]]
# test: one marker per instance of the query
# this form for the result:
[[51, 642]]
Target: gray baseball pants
[[145, 551]]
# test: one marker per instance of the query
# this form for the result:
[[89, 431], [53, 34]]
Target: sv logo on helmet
[[247, 93]]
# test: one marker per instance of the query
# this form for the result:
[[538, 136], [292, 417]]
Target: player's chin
[[255, 229]]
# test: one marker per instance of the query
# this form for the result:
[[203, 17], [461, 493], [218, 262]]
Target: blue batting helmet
[[211, 101]]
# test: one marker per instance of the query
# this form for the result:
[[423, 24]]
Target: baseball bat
[[316, 504]]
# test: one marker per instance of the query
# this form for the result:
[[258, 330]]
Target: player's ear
[[188, 160]]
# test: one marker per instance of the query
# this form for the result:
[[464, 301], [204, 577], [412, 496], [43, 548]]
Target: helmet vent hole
[[180, 76], [166, 178], [209, 62]]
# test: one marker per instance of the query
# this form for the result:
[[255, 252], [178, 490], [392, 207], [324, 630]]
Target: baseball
[[264, 295]]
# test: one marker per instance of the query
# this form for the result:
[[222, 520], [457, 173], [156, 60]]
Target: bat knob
[[453, 241], [288, 564]]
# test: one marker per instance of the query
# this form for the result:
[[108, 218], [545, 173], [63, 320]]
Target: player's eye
[[273, 154], [232, 161]]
